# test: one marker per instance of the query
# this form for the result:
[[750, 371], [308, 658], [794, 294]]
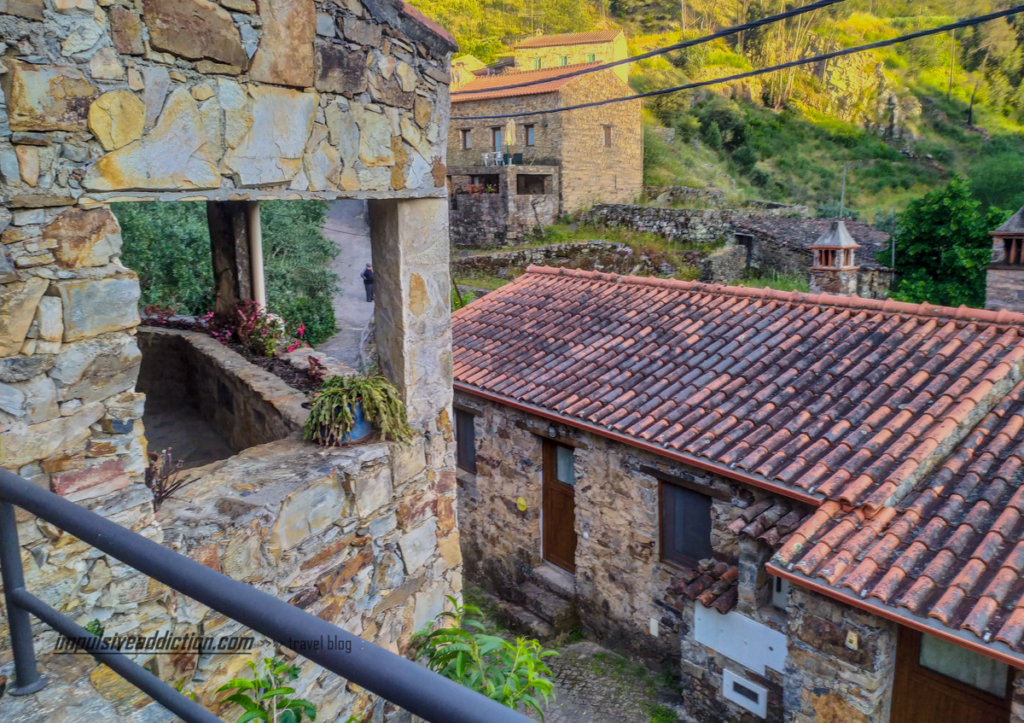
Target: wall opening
[[532, 185]]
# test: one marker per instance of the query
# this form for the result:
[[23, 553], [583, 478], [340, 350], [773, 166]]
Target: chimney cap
[[836, 237], [1013, 227]]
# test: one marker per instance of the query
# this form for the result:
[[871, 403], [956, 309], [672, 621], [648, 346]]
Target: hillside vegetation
[[903, 120]]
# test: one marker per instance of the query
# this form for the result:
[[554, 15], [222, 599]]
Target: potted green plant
[[345, 409]]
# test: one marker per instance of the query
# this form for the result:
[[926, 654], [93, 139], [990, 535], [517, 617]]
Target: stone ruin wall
[[188, 100], [605, 256]]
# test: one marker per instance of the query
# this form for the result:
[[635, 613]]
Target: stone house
[[293, 99], [809, 506], [556, 51], [598, 151], [1003, 287], [507, 204]]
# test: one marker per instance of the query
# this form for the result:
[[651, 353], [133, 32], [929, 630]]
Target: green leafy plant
[[456, 647], [331, 414], [95, 627], [267, 697]]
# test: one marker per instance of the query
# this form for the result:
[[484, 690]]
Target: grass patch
[[777, 281], [481, 281], [661, 713]]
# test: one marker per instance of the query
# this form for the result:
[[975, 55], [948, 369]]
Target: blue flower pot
[[360, 427]]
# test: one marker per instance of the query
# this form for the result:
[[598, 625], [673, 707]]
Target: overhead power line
[[750, 74], [667, 49]]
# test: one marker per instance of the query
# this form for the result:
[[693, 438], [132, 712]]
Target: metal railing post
[[27, 678]]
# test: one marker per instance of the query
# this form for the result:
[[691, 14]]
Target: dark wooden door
[[923, 695], [559, 506]]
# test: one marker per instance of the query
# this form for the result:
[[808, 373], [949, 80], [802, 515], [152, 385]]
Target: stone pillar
[[410, 261], [755, 590], [229, 245], [838, 282], [840, 663]]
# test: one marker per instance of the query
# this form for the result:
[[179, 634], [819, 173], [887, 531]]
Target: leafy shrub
[[687, 127], [830, 209], [745, 158], [760, 177], [258, 329], [510, 673], [712, 135], [331, 412], [267, 697]]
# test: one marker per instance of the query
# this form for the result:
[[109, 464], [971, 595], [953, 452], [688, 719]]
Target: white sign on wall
[[737, 637]]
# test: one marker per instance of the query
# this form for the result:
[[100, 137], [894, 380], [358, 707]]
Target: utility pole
[[682, 13], [952, 51]]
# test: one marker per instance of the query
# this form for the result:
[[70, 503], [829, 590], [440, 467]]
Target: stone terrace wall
[[697, 226], [706, 197], [588, 255], [247, 405]]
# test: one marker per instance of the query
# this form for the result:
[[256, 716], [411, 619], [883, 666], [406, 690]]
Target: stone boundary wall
[[695, 226], [246, 404], [595, 255]]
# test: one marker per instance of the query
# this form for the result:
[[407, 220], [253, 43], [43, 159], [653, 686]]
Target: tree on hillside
[[943, 247]]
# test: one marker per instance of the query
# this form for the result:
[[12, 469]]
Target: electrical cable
[[667, 49], [775, 68]]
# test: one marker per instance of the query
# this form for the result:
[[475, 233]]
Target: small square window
[[685, 525], [465, 441], [531, 139], [467, 142], [565, 465]]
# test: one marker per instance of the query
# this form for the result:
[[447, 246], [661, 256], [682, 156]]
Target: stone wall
[[695, 226], [1004, 289], [621, 582], [827, 681], [247, 405], [588, 255], [493, 220], [725, 265], [592, 172]]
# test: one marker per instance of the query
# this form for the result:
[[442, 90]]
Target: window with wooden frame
[[465, 441], [685, 525], [497, 143], [1014, 251], [606, 138], [467, 142], [531, 137]]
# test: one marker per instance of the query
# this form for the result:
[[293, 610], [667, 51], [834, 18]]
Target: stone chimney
[[1004, 283], [833, 270]]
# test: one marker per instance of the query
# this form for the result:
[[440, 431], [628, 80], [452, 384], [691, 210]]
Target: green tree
[[943, 246], [168, 245]]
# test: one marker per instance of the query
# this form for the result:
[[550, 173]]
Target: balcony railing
[[392, 677]]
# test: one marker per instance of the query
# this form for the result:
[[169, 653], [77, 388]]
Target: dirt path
[[348, 227]]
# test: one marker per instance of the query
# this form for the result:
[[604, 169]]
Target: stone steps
[[555, 580], [549, 607], [522, 621]]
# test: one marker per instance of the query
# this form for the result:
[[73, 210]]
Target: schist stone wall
[[621, 583], [587, 255], [519, 208], [191, 101]]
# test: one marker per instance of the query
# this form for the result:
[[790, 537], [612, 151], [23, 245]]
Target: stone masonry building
[[556, 51], [223, 104], [598, 152], [810, 506]]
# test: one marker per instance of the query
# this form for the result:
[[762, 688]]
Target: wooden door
[[921, 694], [559, 520]]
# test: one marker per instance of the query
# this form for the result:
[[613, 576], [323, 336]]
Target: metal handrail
[[392, 677]]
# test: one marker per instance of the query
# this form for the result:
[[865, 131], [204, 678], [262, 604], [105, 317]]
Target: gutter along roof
[[855, 403], [556, 41]]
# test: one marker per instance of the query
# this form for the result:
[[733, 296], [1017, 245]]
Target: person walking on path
[[367, 276]]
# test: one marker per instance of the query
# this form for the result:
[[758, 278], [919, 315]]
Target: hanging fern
[[331, 417]]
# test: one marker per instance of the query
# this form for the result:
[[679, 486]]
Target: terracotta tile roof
[[500, 81], [713, 584], [552, 41], [818, 397], [952, 551], [771, 520], [803, 232]]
